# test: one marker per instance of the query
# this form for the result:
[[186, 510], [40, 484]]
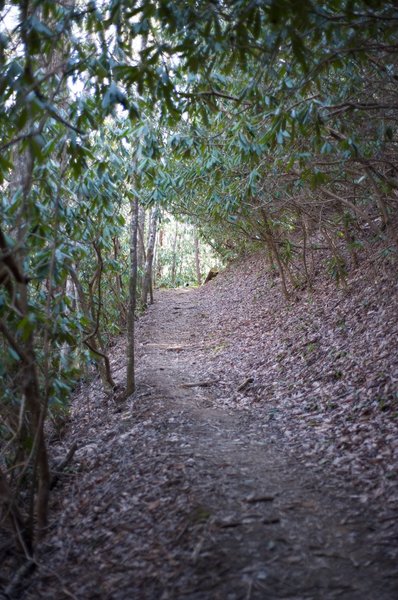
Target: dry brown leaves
[[324, 367]]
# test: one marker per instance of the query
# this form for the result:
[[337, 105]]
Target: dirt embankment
[[324, 368]]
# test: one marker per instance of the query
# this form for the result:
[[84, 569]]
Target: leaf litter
[[258, 462]]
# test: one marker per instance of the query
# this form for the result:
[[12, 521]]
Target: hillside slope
[[324, 367]]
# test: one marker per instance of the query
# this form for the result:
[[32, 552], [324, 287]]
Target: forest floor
[[211, 482]]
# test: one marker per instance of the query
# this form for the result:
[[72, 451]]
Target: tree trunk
[[141, 255], [130, 385], [35, 401], [197, 257], [66, 354], [180, 242], [174, 257], [146, 284], [273, 249], [119, 283], [91, 340], [159, 263]]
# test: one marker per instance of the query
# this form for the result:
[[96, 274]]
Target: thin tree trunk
[[116, 256], [130, 385], [181, 238], [197, 257], [35, 402], [141, 255], [91, 340], [159, 264], [119, 283], [146, 285], [66, 355], [174, 257], [275, 252], [153, 271]]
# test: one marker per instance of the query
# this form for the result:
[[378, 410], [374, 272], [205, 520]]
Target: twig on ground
[[200, 384], [14, 587], [265, 498], [63, 464], [245, 384]]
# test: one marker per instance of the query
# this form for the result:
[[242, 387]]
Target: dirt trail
[[177, 498]]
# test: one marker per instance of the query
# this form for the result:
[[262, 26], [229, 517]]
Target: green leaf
[[112, 96], [40, 27], [14, 355]]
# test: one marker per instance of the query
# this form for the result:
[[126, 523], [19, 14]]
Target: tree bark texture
[[141, 254], [130, 384], [174, 258], [197, 257], [146, 284], [92, 340], [159, 263]]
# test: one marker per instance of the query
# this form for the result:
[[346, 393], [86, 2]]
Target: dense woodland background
[[142, 143]]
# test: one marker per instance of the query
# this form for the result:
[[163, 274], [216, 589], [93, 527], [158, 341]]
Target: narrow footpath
[[173, 497]]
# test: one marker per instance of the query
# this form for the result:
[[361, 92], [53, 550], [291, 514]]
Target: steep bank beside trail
[[192, 490], [323, 367]]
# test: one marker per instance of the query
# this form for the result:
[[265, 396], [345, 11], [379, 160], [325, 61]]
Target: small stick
[[245, 384], [265, 498], [200, 384], [16, 582], [62, 465]]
